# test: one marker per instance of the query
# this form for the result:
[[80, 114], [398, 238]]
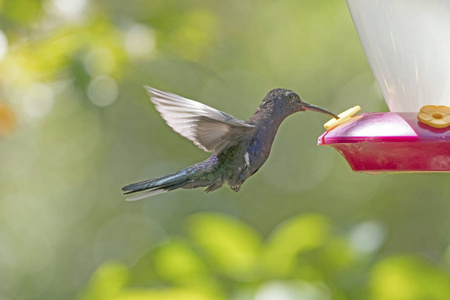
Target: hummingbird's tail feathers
[[203, 174], [189, 178], [158, 185], [146, 194], [162, 189]]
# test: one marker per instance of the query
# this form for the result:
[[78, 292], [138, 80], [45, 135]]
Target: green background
[[304, 227]]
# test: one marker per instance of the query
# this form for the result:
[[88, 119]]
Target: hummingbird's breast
[[256, 154], [243, 160], [260, 145]]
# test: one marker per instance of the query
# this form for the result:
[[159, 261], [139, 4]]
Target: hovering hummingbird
[[239, 148]]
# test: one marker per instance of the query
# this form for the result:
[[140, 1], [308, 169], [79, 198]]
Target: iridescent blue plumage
[[239, 148]]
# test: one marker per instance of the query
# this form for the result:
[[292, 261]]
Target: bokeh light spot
[[38, 100], [140, 41], [103, 90], [292, 291], [367, 237], [3, 45], [70, 8]]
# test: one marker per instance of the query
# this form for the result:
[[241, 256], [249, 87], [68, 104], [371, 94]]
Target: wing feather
[[210, 129]]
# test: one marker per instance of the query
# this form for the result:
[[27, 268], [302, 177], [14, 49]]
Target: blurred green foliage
[[224, 258], [76, 126]]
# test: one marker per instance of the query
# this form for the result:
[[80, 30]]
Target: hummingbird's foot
[[236, 188], [216, 185]]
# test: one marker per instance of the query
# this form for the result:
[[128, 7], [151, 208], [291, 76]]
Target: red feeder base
[[391, 142]]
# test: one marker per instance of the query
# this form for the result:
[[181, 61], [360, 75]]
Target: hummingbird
[[239, 148]]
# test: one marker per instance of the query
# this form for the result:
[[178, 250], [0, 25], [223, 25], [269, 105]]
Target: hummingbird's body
[[240, 147]]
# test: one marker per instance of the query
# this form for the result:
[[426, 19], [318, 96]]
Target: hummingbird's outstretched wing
[[210, 129]]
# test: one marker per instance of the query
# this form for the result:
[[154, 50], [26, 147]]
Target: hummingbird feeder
[[407, 44]]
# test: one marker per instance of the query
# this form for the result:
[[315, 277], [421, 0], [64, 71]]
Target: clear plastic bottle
[[407, 43]]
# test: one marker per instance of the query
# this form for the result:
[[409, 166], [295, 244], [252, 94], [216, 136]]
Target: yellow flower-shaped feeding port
[[343, 118], [437, 116]]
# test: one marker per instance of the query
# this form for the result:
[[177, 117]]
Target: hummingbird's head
[[289, 102]]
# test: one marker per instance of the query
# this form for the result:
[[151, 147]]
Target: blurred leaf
[[166, 294], [107, 282], [46, 57], [178, 263], [21, 11], [143, 272], [176, 260], [337, 254], [408, 278], [232, 245], [295, 236]]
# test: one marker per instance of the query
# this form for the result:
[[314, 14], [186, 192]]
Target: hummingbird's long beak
[[319, 109]]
